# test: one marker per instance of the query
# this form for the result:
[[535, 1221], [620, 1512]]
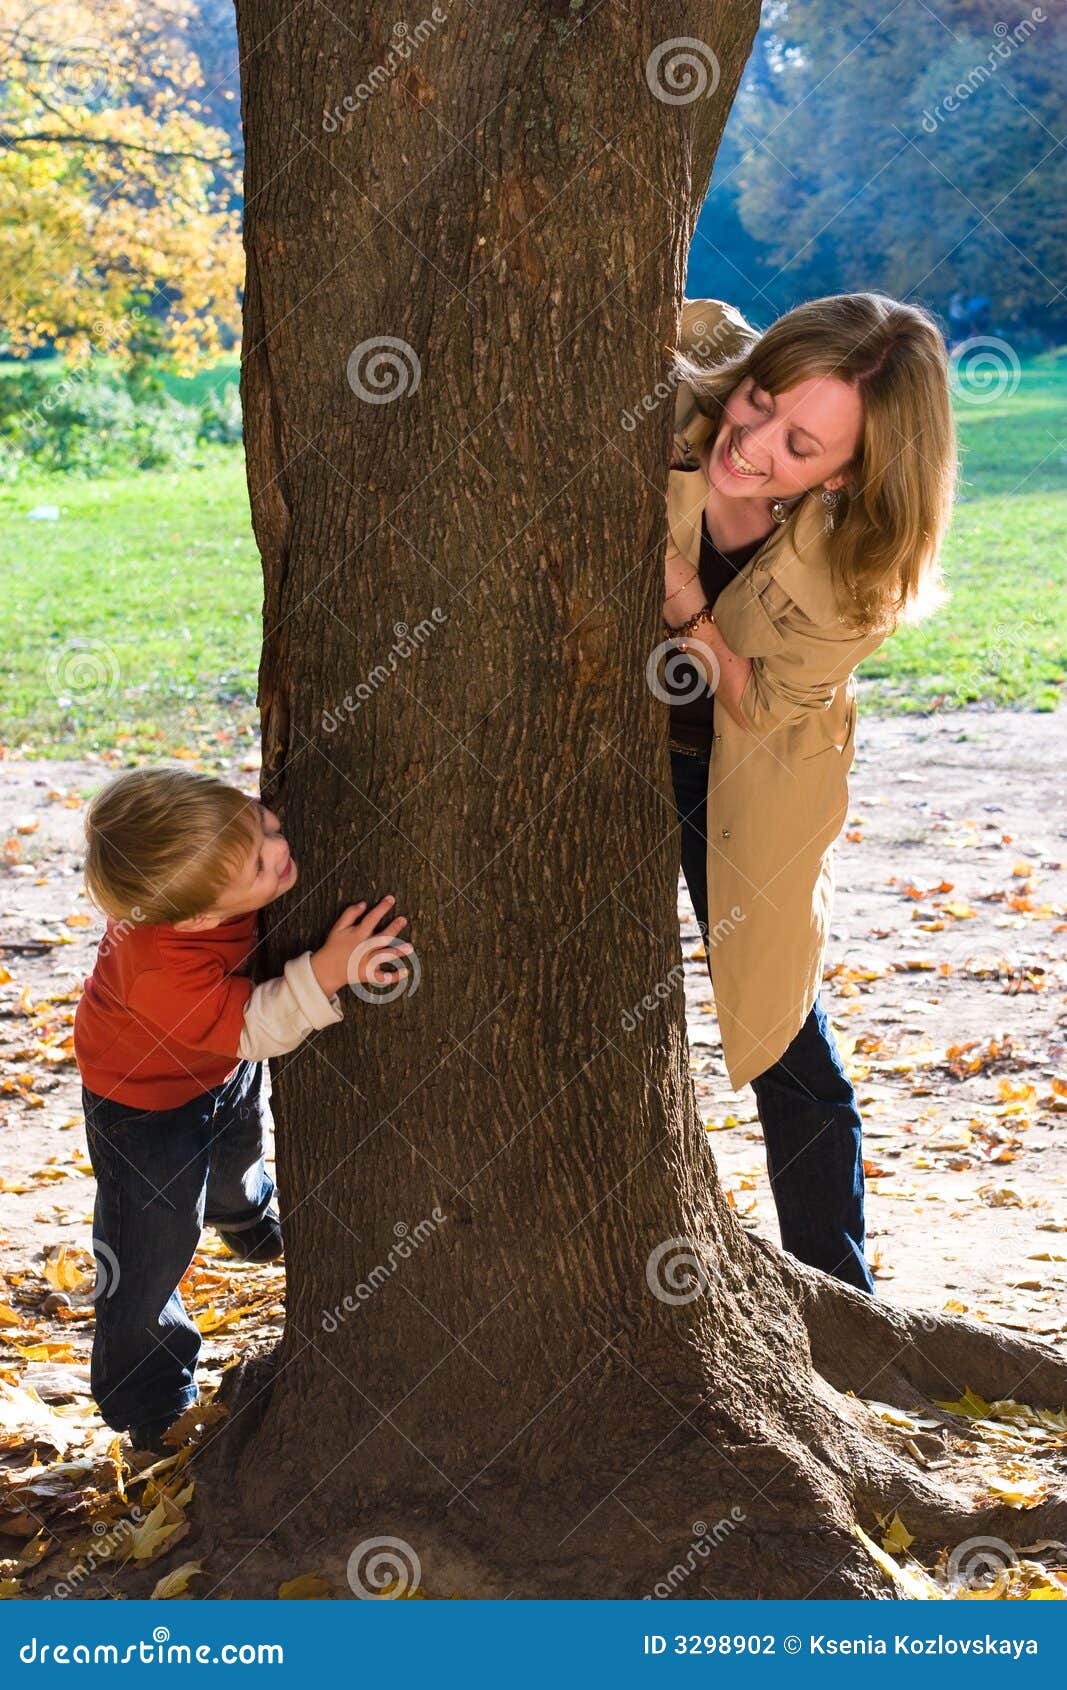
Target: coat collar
[[794, 554]]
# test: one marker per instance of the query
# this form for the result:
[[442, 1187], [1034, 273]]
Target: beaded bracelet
[[704, 614]]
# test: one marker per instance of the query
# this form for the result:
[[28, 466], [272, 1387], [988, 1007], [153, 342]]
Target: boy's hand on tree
[[354, 953]]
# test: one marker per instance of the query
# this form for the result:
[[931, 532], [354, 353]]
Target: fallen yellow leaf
[[307, 1587], [177, 1582], [897, 1538], [163, 1526], [912, 1581]]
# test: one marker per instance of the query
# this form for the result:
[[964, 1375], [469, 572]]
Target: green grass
[[1002, 637], [134, 621]]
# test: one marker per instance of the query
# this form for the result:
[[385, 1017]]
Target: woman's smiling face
[[779, 445]]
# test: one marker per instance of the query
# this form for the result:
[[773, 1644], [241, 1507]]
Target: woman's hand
[[727, 674]]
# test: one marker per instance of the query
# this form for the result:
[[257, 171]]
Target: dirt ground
[[946, 982]]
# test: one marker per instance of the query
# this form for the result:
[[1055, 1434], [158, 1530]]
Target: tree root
[[897, 1355], [756, 1493]]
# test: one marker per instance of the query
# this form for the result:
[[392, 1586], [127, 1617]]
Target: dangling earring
[[832, 499]]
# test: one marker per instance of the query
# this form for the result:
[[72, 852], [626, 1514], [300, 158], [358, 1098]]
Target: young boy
[[170, 1038]]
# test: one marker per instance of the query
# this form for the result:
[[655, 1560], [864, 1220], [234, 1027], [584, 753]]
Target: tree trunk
[[464, 267]]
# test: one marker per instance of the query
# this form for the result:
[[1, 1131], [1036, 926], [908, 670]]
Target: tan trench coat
[[778, 795]]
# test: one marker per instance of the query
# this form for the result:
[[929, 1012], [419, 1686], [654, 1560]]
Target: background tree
[[946, 174], [117, 187], [465, 254]]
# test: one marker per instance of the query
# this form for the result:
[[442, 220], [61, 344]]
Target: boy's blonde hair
[[883, 551], [162, 843]]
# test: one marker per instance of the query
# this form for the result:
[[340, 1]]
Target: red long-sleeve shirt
[[161, 1017]]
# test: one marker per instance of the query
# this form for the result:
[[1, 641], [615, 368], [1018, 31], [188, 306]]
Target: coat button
[[717, 738], [726, 833]]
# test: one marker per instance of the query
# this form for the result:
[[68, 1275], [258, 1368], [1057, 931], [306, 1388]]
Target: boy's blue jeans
[[807, 1107], [162, 1175]]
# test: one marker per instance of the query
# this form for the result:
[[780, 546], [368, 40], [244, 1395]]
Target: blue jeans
[[807, 1107], [162, 1175]]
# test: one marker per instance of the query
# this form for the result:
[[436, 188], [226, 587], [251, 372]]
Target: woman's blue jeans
[[807, 1107], [162, 1175]]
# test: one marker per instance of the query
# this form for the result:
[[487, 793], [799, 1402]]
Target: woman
[[813, 482]]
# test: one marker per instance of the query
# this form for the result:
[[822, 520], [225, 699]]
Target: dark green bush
[[91, 423]]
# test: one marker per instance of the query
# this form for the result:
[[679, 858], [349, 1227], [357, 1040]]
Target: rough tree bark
[[511, 203]]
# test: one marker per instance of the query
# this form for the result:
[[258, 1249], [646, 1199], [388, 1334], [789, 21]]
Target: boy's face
[[267, 871]]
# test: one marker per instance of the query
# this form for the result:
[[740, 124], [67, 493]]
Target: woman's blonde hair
[[162, 843], [883, 549]]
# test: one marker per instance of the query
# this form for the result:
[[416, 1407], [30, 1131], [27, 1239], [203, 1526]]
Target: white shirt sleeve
[[281, 1013]]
